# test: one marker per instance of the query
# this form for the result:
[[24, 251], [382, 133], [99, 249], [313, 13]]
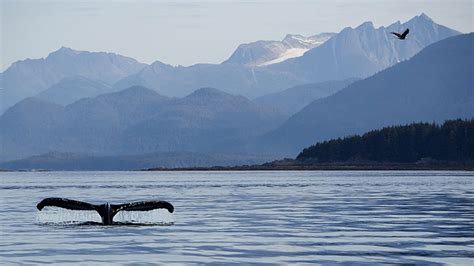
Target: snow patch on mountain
[[290, 53]]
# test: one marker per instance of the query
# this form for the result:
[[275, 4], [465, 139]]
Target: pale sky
[[189, 32]]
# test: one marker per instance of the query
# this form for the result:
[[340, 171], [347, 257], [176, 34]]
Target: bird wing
[[66, 204], [396, 34], [143, 206], [405, 33]]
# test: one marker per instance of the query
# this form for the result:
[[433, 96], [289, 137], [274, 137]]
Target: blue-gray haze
[[67, 116]]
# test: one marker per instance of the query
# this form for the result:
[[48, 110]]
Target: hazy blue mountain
[[71, 89], [126, 107], [270, 52], [179, 81], [94, 125], [28, 126], [133, 121], [292, 100], [365, 50], [358, 52], [91, 125], [206, 120], [435, 85], [31, 76]]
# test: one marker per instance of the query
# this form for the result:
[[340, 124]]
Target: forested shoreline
[[418, 142]]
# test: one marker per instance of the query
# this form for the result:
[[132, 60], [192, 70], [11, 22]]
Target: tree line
[[452, 142]]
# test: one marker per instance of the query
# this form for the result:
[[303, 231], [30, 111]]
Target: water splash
[[53, 215], [60, 216], [154, 217]]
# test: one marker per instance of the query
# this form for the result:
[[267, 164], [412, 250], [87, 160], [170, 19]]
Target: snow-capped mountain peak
[[262, 53], [298, 41]]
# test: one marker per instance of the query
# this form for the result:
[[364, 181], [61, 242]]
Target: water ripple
[[352, 218]]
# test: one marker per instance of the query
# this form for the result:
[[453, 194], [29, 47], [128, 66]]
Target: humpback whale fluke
[[106, 211]]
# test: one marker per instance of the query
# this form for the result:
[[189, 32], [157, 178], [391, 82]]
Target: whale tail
[[106, 211], [143, 206]]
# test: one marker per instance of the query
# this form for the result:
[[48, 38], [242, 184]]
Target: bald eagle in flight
[[401, 36]]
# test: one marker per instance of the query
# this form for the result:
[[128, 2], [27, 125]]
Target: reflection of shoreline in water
[[64, 217]]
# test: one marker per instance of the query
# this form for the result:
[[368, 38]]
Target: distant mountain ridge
[[293, 99], [179, 81], [60, 161], [253, 70], [351, 53], [71, 89], [29, 77], [207, 120], [133, 121], [435, 85], [364, 50]]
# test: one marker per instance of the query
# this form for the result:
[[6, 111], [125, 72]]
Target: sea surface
[[295, 217]]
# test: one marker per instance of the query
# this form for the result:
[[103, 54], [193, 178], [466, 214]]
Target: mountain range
[[29, 77], [435, 85], [364, 50], [351, 53], [133, 121], [253, 70], [345, 83]]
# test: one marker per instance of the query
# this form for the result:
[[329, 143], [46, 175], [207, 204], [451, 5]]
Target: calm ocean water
[[243, 217]]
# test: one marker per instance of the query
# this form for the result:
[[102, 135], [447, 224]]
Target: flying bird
[[401, 36], [106, 211]]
